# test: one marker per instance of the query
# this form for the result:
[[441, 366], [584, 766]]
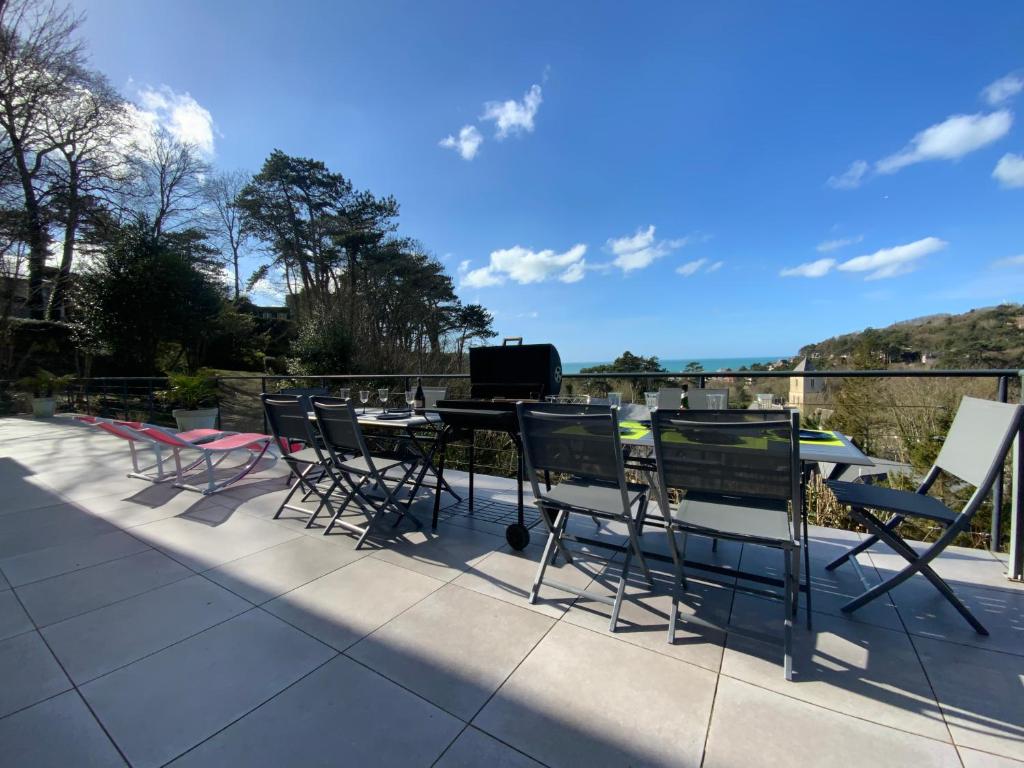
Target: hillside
[[990, 337]]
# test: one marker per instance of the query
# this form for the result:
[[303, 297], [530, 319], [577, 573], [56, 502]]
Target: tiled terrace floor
[[146, 625]]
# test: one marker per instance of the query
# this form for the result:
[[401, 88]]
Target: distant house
[[805, 390], [15, 291], [273, 313]]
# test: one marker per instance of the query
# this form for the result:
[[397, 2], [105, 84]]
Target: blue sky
[[686, 179]]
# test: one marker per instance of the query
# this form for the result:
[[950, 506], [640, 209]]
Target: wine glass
[[343, 393], [615, 399], [410, 398], [651, 399], [382, 395], [364, 398], [716, 402]]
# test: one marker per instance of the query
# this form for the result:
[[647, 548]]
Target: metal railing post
[[995, 539], [1015, 568], [263, 391]]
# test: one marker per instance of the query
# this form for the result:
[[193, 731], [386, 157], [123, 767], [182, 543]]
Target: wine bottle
[[420, 402]]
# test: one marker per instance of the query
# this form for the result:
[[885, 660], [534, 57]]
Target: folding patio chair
[[740, 474], [364, 476], [304, 394], [288, 416], [583, 443], [974, 450]]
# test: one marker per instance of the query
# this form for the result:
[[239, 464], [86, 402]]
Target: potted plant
[[43, 386], [193, 399]]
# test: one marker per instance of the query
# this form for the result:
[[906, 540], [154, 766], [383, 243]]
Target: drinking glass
[[364, 398], [410, 398], [716, 402], [651, 398], [615, 399], [382, 394], [343, 393]]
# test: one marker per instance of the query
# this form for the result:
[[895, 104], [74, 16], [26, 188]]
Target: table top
[[371, 419], [834, 448]]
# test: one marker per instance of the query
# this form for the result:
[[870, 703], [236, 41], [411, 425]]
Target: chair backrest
[[670, 398], [580, 440], [339, 428], [288, 418], [754, 455], [697, 399], [304, 394], [432, 394], [979, 438]]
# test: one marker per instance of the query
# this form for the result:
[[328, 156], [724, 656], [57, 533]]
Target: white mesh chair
[[697, 399], [581, 442], [974, 450], [670, 398], [739, 472]]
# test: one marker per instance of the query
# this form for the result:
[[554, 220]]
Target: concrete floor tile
[[341, 714], [349, 603], [222, 674], [474, 643]]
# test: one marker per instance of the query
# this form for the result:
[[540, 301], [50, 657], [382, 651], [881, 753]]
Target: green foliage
[[990, 337], [190, 391], [693, 367], [45, 384], [627, 362], [322, 345], [144, 291]]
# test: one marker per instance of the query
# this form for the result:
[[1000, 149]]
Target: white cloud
[[1010, 261], [691, 267], [1009, 171], [951, 139], [851, 178], [818, 268], [1002, 89], [467, 144], [523, 266], [890, 262], [834, 245], [715, 267], [269, 291], [513, 117], [179, 114], [641, 249]]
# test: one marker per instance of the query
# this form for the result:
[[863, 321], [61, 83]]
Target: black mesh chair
[[581, 442], [352, 467], [739, 472], [304, 394], [290, 424]]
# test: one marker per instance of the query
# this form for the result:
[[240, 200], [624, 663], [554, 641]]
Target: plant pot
[[43, 407], [203, 418]]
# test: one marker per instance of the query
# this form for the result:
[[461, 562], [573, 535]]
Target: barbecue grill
[[499, 377]]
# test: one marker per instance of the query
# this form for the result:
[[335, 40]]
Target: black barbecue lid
[[515, 370]]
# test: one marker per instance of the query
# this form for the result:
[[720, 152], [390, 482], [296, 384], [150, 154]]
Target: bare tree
[[84, 126], [38, 61], [170, 174], [221, 191]]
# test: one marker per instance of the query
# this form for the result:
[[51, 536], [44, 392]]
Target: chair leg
[[917, 564], [620, 592], [787, 662], [549, 548], [806, 543], [678, 581], [868, 542]]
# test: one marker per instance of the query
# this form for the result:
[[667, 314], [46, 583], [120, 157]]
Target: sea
[[676, 365]]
